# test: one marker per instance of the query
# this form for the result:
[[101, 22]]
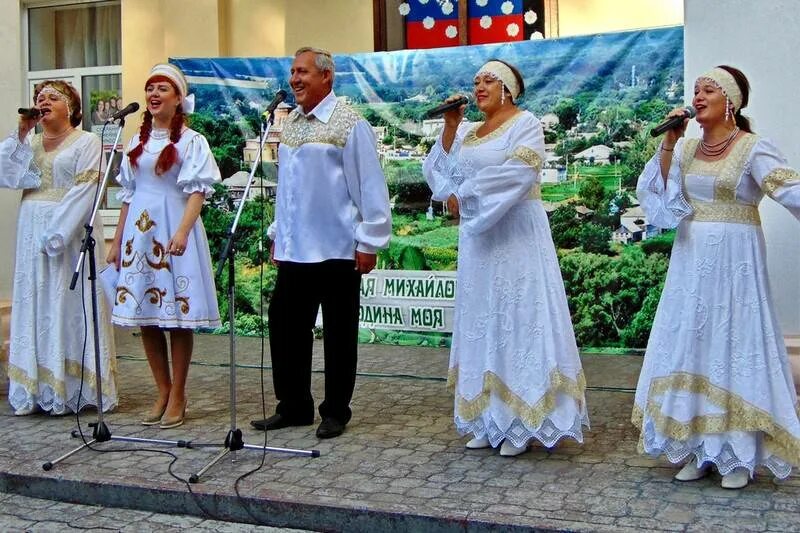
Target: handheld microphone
[[125, 111], [444, 108], [280, 96], [29, 112], [673, 122]]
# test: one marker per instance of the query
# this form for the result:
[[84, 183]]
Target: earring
[[502, 96], [727, 110]]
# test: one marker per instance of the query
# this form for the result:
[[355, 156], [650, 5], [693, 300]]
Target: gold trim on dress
[[472, 138], [529, 156], [727, 172], [535, 192], [739, 416], [71, 369], [87, 176], [531, 415], [715, 212], [777, 178]]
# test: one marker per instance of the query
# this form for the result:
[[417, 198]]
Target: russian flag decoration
[[498, 21], [430, 23]]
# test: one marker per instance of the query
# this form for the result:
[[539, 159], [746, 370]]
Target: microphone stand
[[233, 440], [100, 431]]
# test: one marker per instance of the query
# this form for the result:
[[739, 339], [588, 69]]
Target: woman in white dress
[[514, 363], [57, 170], [716, 385], [160, 248]]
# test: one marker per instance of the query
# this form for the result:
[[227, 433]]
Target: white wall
[[11, 91], [761, 38]]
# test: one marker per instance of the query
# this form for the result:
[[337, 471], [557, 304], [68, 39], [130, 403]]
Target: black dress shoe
[[329, 428], [278, 421]]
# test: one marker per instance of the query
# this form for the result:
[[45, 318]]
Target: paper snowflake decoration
[[447, 8], [428, 23], [536, 36], [512, 29], [404, 9], [531, 16], [451, 31], [507, 7], [423, 2], [481, 3], [486, 22]]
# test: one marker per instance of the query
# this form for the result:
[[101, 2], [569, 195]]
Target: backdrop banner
[[596, 96]]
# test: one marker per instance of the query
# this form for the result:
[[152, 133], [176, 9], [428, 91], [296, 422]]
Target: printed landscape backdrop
[[597, 97]]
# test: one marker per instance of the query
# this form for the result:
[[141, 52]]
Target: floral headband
[[59, 94], [500, 71], [727, 84]]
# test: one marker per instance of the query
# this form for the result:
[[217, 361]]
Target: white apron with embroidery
[[514, 363], [716, 382], [155, 288]]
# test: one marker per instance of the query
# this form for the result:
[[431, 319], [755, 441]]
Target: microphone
[[444, 108], [125, 111], [280, 96], [673, 122], [29, 112]]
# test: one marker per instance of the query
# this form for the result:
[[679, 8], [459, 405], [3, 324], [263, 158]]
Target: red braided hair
[[169, 155]]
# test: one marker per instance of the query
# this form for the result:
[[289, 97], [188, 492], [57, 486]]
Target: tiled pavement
[[399, 466]]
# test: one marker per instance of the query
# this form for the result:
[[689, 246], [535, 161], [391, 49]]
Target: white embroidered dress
[[514, 363], [154, 287], [47, 318], [716, 381]]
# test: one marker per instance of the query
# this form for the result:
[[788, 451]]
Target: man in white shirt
[[331, 216]]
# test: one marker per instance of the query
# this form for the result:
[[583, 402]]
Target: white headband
[[174, 74], [501, 71], [727, 84]]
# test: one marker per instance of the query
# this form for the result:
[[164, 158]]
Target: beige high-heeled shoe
[[167, 423], [153, 417]]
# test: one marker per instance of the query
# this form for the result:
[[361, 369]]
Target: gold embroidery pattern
[[71, 369], [156, 296], [739, 416], [528, 156], [145, 222], [736, 213], [726, 172], [87, 176], [472, 138], [44, 162], [777, 178], [160, 255], [299, 130], [536, 192], [531, 415]]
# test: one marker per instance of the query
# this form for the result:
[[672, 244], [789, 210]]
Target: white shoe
[[478, 443], [690, 472], [509, 450], [738, 479], [24, 411]]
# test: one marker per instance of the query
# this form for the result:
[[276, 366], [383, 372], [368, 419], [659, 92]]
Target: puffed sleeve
[[199, 170], [663, 203], [73, 211], [484, 198], [439, 167], [17, 169], [771, 171], [366, 185], [126, 177]]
